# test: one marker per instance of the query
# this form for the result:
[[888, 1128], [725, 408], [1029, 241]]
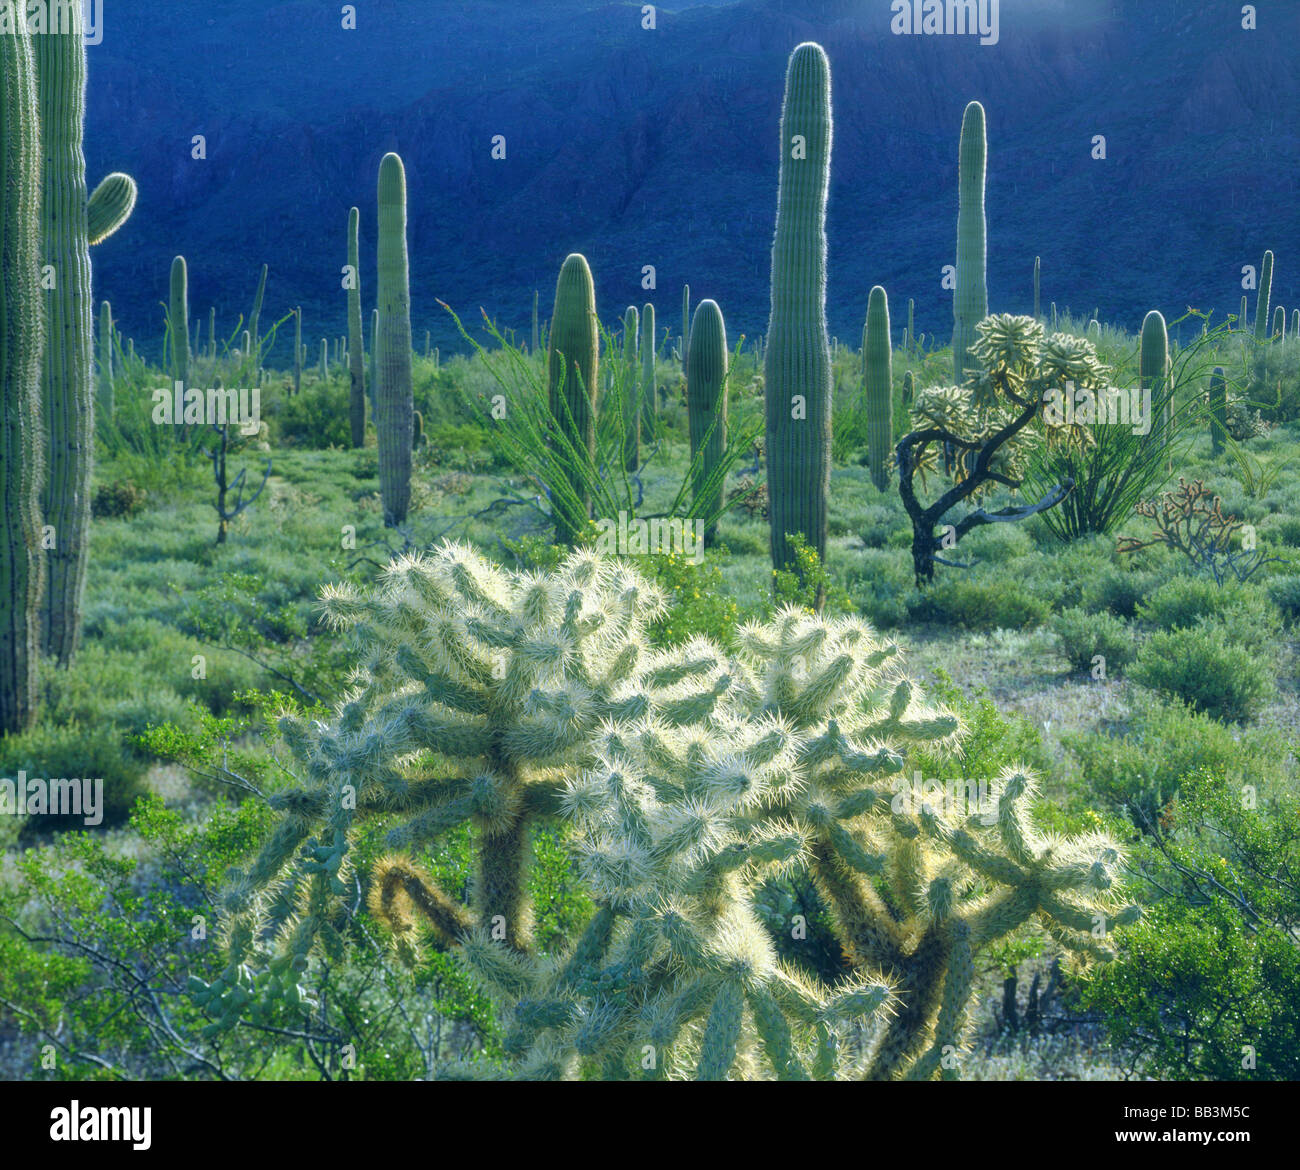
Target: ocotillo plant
[[706, 408], [178, 321], [105, 337], [297, 350], [970, 299], [1038, 304], [1265, 293], [22, 337], [356, 346], [68, 380], [797, 369], [631, 385], [394, 402], [1218, 409], [255, 319], [648, 391], [878, 387], [1153, 373], [572, 372]]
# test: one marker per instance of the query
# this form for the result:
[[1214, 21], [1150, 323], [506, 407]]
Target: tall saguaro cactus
[[253, 321], [68, 390], [631, 382], [878, 385], [105, 338], [1265, 294], [572, 368], [797, 370], [1153, 369], [686, 322], [356, 346], [970, 300], [394, 400], [178, 320], [1279, 324], [1038, 303], [22, 336], [706, 407], [1218, 409], [297, 350], [648, 404]]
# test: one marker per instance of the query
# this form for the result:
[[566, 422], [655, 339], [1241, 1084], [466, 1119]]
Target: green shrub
[[1118, 591], [1244, 611], [880, 583], [1284, 592], [117, 500], [317, 418], [1083, 636], [1204, 668], [1208, 984], [979, 603], [73, 752]]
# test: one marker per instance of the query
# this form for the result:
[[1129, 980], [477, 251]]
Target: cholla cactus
[[691, 776], [787, 754]]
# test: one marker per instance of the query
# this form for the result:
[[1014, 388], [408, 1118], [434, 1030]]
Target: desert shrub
[[699, 604], [1083, 635], [317, 418], [71, 751], [1140, 767], [1208, 984], [880, 583], [117, 500], [1118, 590], [980, 603], [1203, 667], [1284, 592], [1245, 612]]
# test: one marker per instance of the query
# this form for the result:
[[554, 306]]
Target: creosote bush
[[689, 778]]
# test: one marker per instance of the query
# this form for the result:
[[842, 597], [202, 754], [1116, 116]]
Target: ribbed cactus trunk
[[648, 389], [797, 369], [105, 371], [1218, 409], [22, 336], [356, 344], [297, 350], [254, 322], [67, 375], [1265, 295], [1279, 324], [631, 385], [1241, 324], [374, 352], [394, 401], [706, 410], [970, 300], [178, 318], [878, 385], [572, 369], [1295, 323], [1038, 303], [1153, 371]]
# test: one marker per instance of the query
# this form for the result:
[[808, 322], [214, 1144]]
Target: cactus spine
[[572, 369], [878, 382], [648, 403], [631, 384], [178, 316], [1038, 303], [1218, 409], [106, 359], [797, 369], [970, 301], [1265, 294], [22, 336], [356, 346], [1153, 369], [394, 403], [706, 407]]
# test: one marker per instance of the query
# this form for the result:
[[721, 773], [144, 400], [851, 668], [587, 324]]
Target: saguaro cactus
[[178, 320], [706, 408], [394, 400], [1265, 294], [1241, 322], [1153, 371], [970, 300], [797, 370], [356, 345], [1218, 409], [68, 382], [878, 386], [1038, 304], [1295, 323], [1279, 324], [911, 325], [324, 359], [374, 350], [22, 336], [106, 359], [686, 321], [253, 321], [631, 384], [572, 369], [648, 403], [297, 350]]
